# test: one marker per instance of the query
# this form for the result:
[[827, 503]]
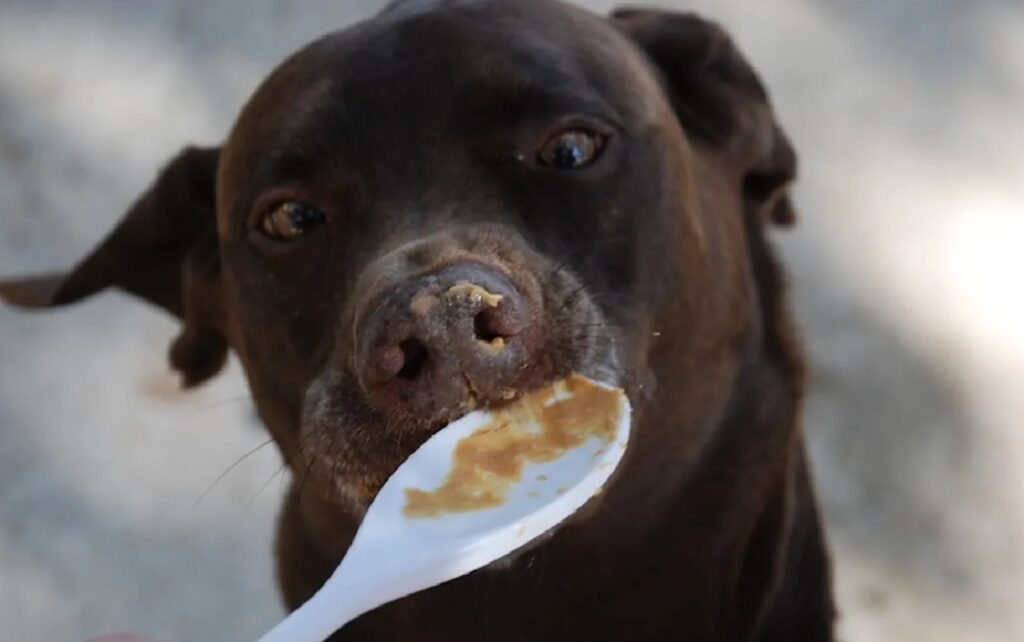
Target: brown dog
[[611, 180]]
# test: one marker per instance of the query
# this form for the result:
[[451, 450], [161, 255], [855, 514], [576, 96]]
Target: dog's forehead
[[420, 61], [439, 44], [528, 34]]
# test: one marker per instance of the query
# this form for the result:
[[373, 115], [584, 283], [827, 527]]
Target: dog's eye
[[290, 220], [574, 148]]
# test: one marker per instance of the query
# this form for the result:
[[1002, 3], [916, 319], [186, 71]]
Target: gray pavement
[[905, 269]]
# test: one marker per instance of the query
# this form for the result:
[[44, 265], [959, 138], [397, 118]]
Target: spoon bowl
[[481, 488]]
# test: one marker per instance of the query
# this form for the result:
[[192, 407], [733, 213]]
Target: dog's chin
[[356, 492], [357, 478]]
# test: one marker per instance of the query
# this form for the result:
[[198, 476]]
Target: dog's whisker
[[558, 268], [603, 324], [570, 299], [252, 500], [313, 460], [228, 402], [574, 253], [230, 468], [305, 475]]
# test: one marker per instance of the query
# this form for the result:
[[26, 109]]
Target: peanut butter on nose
[[423, 304], [497, 344], [474, 292], [538, 429]]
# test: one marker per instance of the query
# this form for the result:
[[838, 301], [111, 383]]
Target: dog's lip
[[492, 405], [367, 492], [356, 496]]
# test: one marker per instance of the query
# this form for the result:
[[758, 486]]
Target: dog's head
[[449, 205]]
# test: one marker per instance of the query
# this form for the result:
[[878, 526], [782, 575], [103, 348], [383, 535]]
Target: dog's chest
[[532, 608]]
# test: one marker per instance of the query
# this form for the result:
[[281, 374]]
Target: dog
[[581, 194]]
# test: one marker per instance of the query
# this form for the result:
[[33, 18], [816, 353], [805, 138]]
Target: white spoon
[[569, 439]]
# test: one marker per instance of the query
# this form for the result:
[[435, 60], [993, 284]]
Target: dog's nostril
[[483, 326], [500, 322], [416, 356]]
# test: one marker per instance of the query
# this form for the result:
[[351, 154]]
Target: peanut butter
[[539, 428], [475, 292]]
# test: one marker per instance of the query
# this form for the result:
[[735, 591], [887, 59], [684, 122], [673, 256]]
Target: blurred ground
[[906, 270]]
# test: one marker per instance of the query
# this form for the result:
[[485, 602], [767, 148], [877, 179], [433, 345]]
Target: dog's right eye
[[572, 148], [290, 220]]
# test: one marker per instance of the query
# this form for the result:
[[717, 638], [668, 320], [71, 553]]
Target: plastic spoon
[[427, 525]]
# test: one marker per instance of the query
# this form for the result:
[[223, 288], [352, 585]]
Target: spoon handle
[[336, 604]]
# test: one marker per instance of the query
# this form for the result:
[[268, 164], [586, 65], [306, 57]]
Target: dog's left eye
[[574, 148], [290, 220]]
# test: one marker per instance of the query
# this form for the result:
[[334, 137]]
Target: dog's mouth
[[347, 462]]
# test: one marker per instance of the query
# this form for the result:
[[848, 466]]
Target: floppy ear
[[719, 100], [164, 250]]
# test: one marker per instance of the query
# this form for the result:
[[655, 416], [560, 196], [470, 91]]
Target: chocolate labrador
[[611, 180]]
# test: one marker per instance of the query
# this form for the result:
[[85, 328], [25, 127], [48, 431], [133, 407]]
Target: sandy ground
[[906, 270]]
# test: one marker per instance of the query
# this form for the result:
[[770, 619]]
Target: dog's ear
[[164, 250], [719, 100]]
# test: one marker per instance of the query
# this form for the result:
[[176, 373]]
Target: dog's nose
[[441, 344]]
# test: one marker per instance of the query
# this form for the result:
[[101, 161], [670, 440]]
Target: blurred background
[[121, 504]]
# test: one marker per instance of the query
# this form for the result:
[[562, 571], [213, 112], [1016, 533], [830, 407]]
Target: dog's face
[[447, 206], [383, 170]]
